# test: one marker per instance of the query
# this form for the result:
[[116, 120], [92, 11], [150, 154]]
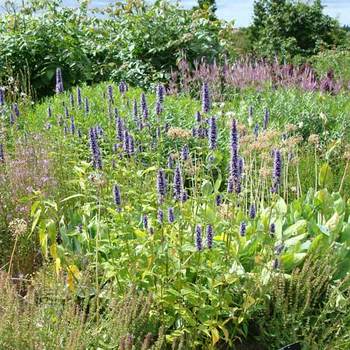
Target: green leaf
[[326, 176]]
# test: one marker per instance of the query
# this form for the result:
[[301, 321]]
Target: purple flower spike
[[272, 229], [185, 152], [144, 107], [184, 196], [198, 117], [160, 93], [277, 171], [160, 216], [145, 221], [210, 236], [120, 129], [134, 110], [198, 230], [79, 98], [256, 130], [218, 200], [178, 184], [158, 108], [242, 229], [171, 215], [161, 184], [95, 149], [2, 97], [252, 211], [205, 98], [2, 157], [12, 119], [15, 110], [213, 133], [116, 195], [87, 105], [59, 81], [170, 162], [72, 125], [266, 118], [110, 94]]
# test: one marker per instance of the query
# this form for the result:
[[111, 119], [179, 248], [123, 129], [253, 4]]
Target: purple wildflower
[[199, 237], [87, 105], [145, 221], [279, 248], [59, 81], [161, 184], [79, 99], [252, 211], [242, 229], [272, 229], [2, 157], [184, 196], [275, 264], [95, 149], [2, 97], [158, 108], [178, 184], [116, 195], [171, 215], [15, 109], [110, 94], [144, 107], [266, 118], [234, 181], [209, 236], [72, 125], [160, 93], [185, 153], [198, 117], [213, 133], [120, 129], [160, 216], [205, 98], [135, 111], [218, 200], [277, 171], [170, 162]]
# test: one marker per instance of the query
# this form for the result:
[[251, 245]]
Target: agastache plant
[[213, 133], [95, 149], [277, 171], [198, 231], [160, 216], [210, 236], [205, 98], [178, 183], [116, 196], [161, 185], [2, 157], [59, 81], [252, 211], [242, 229], [266, 118], [234, 181], [87, 105], [144, 107], [2, 97], [171, 215], [79, 98]]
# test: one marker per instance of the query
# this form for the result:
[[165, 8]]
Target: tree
[[207, 4], [288, 28]]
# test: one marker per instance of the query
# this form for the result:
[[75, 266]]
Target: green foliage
[[289, 28]]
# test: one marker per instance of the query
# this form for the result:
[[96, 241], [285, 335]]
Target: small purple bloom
[[272, 229], [110, 94], [72, 125], [160, 216], [205, 98], [160, 93], [95, 149], [256, 130], [199, 237], [213, 133], [185, 153], [210, 236], [184, 196], [170, 162], [252, 211], [161, 184], [59, 81], [171, 215], [135, 111], [198, 117], [120, 129], [79, 98], [71, 99], [218, 200], [275, 264], [15, 109], [12, 119], [277, 171], [116, 195], [242, 229], [158, 108], [144, 107], [178, 183], [145, 221]]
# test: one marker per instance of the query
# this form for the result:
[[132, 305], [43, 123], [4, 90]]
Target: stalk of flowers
[[110, 94], [277, 171], [72, 125], [171, 215], [210, 234], [198, 232], [79, 98], [95, 149], [59, 81], [234, 181], [2, 157], [120, 129], [161, 185], [71, 100], [2, 96], [144, 107], [87, 106], [123, 87], [213, 133], [205, 98], [16, 110], [116, 196], [178, 183]]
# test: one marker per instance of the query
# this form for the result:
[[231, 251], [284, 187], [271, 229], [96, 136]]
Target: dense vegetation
[[182, 196]]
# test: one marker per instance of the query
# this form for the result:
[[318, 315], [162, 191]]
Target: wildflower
[[234, 182], [72, 125], [185, 153], [160, 216], [134, 110], [2, 97], [170, 162], [116, 195], [160, 93], [95, 149], [2, 157], [218, 200], [213, 133], [252, 211], [110, 93], [277, 171], [15, 109], [158, 108], [199, 237], [161, 184], [184, 196], [59, 81], [87, 106], [242, 229], [178, 184], [209, 236], [145, 221], [198, 117], [171, 215], [144, 107], [12, 119], [205, 98], [123, 87], [120, 129], [79, 99], [266, 118], [272, 228]]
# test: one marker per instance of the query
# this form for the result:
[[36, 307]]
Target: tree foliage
[[288, 28]]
